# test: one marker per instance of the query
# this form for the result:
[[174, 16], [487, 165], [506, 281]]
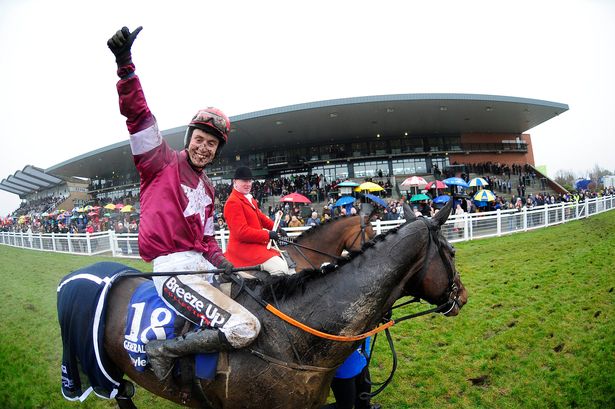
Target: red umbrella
[[438, 184], [93, 214], [295, 198]]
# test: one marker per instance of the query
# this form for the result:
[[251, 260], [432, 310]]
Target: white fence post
[[499, 222], [88, 242], [70, 244], [378, 227], [111, 234], [53, 241]]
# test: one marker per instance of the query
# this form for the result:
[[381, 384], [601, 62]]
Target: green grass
[[538, 330]]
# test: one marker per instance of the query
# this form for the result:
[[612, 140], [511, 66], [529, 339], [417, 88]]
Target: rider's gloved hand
[[227, 266], [273, 235], [120, 45], [282, 233]]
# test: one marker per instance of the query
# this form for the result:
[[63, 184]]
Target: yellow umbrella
[[369, 186], [81, 210], [127, 209], [110, 206]]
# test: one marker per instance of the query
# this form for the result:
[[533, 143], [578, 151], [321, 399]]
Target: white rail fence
[[457, 228]]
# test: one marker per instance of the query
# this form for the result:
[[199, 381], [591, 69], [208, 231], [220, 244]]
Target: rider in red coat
[[250, 229]]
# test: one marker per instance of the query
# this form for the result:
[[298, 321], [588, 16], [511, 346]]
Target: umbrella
[[419, 197], [414, 181], [348, 183], [107, 214], [484, 195], [442, 199], [89, 207], [375, 199], [344, 200], [295, 198], [119, 206], [478, 182], [436, 184], [110, 206], [369, 186], [127, 209], [91, 214], [455, 182], [44, 214]]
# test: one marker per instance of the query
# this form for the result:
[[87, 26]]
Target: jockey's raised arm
[[177, 226]]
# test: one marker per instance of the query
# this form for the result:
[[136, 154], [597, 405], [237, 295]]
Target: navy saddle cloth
[[81, 313]]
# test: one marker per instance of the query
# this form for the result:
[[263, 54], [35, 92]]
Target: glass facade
[[409, 166], [332, 172], [370, 169]]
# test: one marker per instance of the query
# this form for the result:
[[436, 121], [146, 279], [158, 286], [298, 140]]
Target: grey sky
[[57, 77]]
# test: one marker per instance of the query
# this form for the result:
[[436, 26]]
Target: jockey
[[250, 229], [177, 226]]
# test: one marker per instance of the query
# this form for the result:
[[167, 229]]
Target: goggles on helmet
[[209, 117]]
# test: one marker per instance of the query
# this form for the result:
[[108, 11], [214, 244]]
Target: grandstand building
[[356, 138]]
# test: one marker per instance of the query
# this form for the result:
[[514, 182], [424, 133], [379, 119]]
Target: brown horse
[[324, 243], [289, 368]]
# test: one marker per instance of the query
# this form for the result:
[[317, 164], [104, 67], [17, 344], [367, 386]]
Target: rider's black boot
[[161, 353]]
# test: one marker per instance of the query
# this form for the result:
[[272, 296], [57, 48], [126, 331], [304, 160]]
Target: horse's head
[[360, 230], [438, 281]]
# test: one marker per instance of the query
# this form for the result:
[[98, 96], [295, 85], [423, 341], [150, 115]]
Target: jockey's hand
[[282, 233], [227, 266], [274, 235], [120, 45]]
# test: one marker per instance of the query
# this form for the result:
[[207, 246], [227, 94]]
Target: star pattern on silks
[[198, 200]]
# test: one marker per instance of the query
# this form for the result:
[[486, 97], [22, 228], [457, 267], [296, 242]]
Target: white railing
[[465, 227]]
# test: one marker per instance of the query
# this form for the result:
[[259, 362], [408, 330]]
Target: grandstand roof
[[29, 180], [358, 118]]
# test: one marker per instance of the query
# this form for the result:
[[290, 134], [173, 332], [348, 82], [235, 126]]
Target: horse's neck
[[352, 299]]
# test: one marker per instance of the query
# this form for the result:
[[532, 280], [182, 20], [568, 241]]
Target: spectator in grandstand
[[314, 220], [177, 203], [295, 222], [250, 229], [285, 220]]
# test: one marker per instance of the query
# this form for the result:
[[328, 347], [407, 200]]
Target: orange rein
[[321, 334]]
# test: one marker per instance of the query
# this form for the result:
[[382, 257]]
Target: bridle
[[452, 294], [362, 233]]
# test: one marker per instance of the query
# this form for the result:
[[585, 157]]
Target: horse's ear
[[443, 214], [367, 210], [408, 213]]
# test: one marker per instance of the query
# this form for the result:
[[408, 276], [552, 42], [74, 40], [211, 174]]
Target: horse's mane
[[282, 287], [309, 232]]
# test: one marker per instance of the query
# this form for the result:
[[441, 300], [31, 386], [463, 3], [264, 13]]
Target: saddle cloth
[[81, 313], [148, 319]]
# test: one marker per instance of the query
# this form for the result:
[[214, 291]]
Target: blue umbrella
[[442, 199], [375, 199], [344, 200], [348, 183], [455, 182]]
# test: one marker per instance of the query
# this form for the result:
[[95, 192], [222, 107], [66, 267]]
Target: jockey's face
[[242, 186], [202, 148]]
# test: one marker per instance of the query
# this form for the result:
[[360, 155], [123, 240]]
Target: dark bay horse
[[287, 367]]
